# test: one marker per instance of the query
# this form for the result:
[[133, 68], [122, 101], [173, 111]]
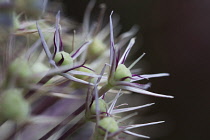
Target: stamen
[[86, 19], [100, 18], [127, 117], [74, 32], [136, 61]]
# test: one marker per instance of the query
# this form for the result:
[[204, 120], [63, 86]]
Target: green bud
[[20, 68], [121, 72], [67, 58], [102, 106], [39, 67], [13, 106], [108, 124], [96, 48]]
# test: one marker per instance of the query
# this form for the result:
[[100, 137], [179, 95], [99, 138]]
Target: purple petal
[[75, 67], [57, 37], [88, 68], [80, 50], [61, 61], [44, 44], [135, 134], [113, 52], [125, 54]]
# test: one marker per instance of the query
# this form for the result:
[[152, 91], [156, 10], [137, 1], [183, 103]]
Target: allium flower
[[49, 92], [108, 125], [120, 76], [60, 57]]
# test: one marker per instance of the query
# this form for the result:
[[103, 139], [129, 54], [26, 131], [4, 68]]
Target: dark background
[[175, 35]]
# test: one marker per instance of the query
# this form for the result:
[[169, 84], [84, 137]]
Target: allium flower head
[[51, 86], [120, 76]]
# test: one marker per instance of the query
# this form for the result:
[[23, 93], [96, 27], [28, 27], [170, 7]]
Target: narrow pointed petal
[[148, 76], [83, 73], [44, 44], [101, 74], [57, 37], [97, 104], [75, 79], [135, 134], [136, 85], [125, 54], [110, 110], [80, 50], [115, 111], [141, 91], [145, 124], [86, 19], [62, 95], [113, 53]]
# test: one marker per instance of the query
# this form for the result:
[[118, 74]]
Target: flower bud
[[13, 106], [121, 72], [30, 7], [67, 60], [102, 106], [20, 68], [96, 48], [108, 124]]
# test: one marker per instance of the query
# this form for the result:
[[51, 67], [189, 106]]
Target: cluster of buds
[[60, 81]]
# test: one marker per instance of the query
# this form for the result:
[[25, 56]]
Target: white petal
[[148, 76], [75, 79], [141, 91], [57, 34], [44, 44], [115, 111], [111, 40], [141, 125], [141, 86], [125, 54], [113, 103], [101, 74], [135, 134]]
